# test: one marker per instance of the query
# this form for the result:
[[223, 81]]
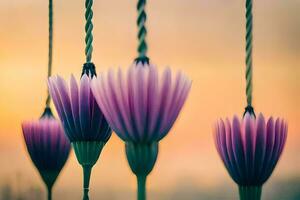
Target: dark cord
[[89, 30], [142, 33], [89, 67], [50, 47], [249, 26]]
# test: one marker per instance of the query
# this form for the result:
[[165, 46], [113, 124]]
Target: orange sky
[[203, 38]]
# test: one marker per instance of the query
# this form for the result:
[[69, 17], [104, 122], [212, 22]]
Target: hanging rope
[[50, 47], [142, 32], [88, 30], [89, 67], [249, 25]]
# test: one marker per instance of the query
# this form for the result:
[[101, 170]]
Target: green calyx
[[49, 178], [141, 158], [250, 192], [87, 153]]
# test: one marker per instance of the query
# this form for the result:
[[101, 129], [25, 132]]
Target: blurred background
[[204, 38]]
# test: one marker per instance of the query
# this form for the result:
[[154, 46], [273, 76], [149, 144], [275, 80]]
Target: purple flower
[[141, 106], [251, 148], [76, 106], [47, 145]]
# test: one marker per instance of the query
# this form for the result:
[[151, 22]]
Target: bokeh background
[[204, 38]]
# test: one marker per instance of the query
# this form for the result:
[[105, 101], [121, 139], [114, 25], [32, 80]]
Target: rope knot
[[144, 60], [89, 69], [249, 109], [47, 113]]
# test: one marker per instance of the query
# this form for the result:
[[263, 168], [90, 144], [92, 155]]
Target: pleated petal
[[237, 146], [80, 115], [249, 137], [141, 105], [74, 93], [46, 143], [250, 149], [260, 144]]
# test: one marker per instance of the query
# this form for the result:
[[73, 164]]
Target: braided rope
[[88, 30], [50, 47], [249, 24], [249, 88], [142, 32]]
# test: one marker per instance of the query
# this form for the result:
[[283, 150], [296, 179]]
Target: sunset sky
[[203, 38]]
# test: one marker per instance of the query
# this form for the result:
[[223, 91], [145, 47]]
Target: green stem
[[87, 154], [49, 192], [141, 193], [86, 181], [250, 192]]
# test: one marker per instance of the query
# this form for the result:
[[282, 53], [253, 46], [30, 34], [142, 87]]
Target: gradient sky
[[204, 38]]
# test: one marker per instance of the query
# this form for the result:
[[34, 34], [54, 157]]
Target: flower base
[[250, 192], [49, 179], [141, 159], [87, 153]]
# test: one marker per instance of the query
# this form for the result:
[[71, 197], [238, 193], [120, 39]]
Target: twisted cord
[[88, 30], [50, 47], [249, 24], [142, 32]]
